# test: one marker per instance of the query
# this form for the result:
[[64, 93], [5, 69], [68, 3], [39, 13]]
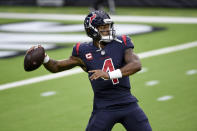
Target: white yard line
[[40, 79], [191, 72], [164, 98], [78, 70], [117, 18], [48, 93], [152, 83], [167, 50]]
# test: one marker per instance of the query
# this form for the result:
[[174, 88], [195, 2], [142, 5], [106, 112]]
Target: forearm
[[61, 65], [51, 66], [131, 68], [55, 66]]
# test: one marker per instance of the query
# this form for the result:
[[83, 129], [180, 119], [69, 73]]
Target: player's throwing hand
[[98, 74]]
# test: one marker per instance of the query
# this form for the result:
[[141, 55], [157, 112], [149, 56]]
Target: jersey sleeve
[[75, 51], [127, 42]]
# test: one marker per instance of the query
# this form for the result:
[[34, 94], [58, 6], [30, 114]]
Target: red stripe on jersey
[[77, 48], [124, 38]]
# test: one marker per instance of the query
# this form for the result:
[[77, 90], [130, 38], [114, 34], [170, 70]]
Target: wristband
[[46, 59], [115, 74]]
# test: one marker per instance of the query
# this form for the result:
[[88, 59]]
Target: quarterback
[[109, 60]]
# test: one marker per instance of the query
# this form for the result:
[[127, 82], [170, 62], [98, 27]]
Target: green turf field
[[23, 108]]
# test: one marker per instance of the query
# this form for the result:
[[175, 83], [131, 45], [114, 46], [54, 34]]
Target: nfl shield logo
[[89, 56]]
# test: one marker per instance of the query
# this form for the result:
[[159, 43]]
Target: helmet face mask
[[99, 26], [106, 32]]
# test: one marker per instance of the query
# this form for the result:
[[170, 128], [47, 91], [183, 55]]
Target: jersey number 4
[[109, 67]]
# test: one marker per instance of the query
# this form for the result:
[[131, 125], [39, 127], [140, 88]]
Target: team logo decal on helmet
[[93, 17], [96, 19]]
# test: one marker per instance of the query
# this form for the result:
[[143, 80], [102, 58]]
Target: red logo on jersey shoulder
[[89, 56]]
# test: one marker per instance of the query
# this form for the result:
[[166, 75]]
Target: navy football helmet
[[96, 19]]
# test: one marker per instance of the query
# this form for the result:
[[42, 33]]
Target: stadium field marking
[[143, 70], [164, 98], [152, 83], [79, 70], [41, 78], [167, 50], [49, 93], [191, 72], [117, 18]]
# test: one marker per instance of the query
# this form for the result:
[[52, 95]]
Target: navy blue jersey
[[111, 57]]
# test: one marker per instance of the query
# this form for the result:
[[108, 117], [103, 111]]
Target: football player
[[109, 60]]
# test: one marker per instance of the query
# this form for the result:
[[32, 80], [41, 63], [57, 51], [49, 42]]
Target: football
[[34, 58]]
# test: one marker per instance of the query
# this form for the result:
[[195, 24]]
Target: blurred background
[[128, 3], [164, 33]]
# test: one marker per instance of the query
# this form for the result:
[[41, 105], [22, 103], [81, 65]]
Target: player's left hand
[[98, 74]]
